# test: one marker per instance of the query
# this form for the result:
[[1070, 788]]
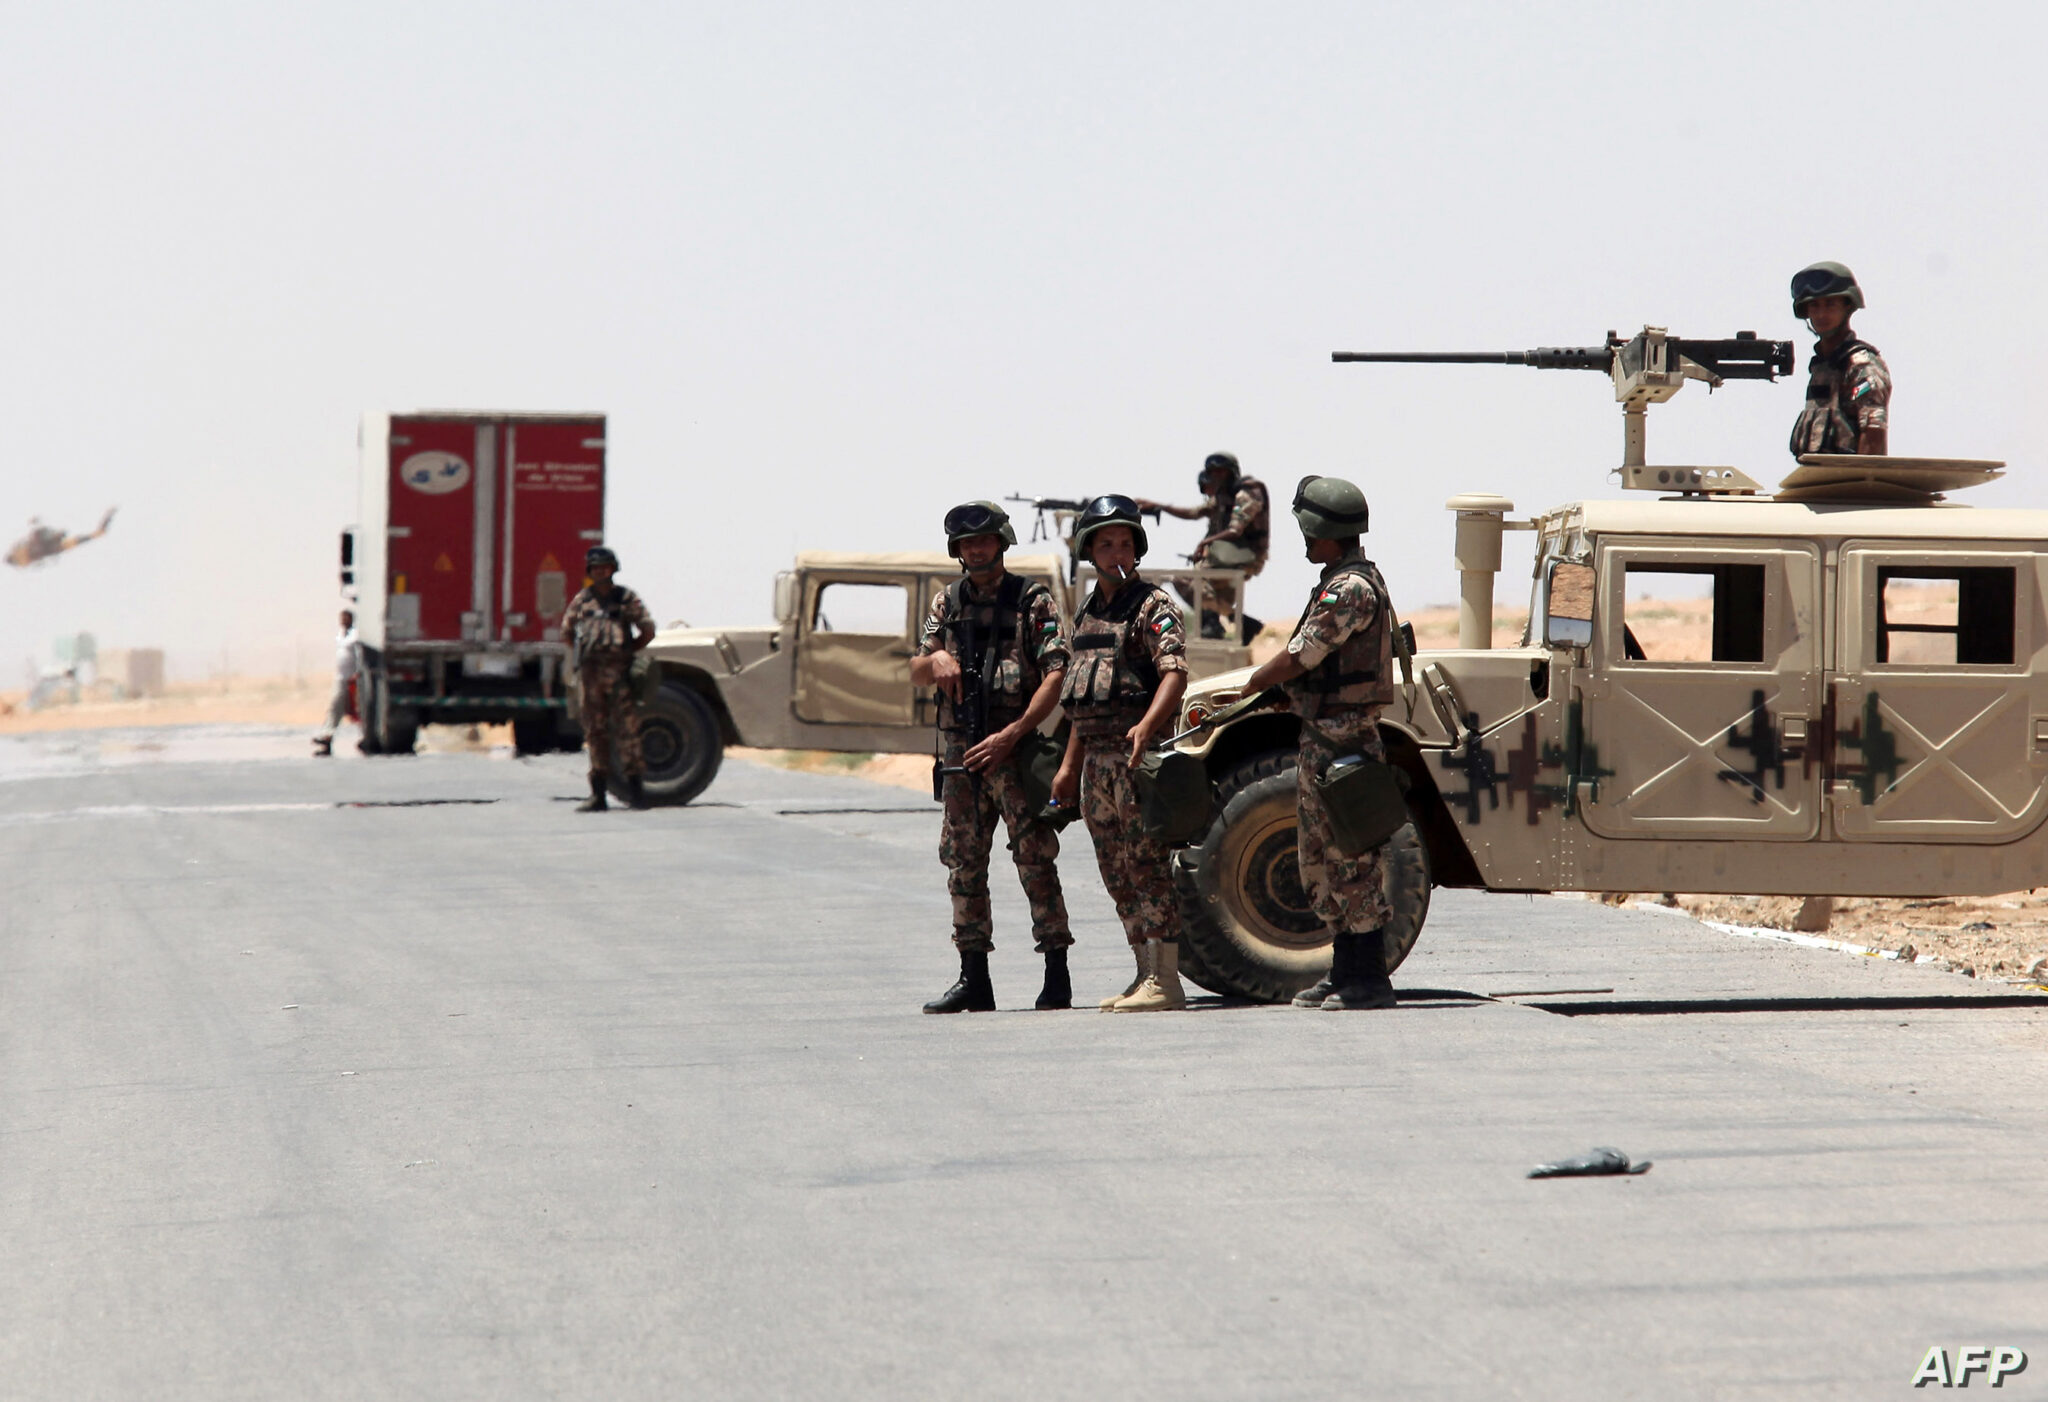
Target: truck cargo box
[[473, 529]]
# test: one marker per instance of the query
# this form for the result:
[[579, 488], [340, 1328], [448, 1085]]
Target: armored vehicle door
[[1940, 729], [853, 645], [1695, 712]]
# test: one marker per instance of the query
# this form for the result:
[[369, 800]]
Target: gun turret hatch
[[1646, 369]]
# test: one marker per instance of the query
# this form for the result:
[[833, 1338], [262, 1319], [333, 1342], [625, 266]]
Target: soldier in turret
[[1239, 514], [1125, 676], [990, 620], [606, 623], [1338, 673], [1849, 393]]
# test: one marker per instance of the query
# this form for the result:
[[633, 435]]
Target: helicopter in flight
[[47, 542]]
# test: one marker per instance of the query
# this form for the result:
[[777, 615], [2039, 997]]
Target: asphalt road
[[457, 1094]]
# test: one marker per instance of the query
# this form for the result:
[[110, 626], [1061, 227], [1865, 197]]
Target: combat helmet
[[1329, 508], [973, 518], [599, 555], [1112, 510], [1225, 461], [1817, 280]]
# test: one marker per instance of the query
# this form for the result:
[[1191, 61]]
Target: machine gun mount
[[1647, 369]]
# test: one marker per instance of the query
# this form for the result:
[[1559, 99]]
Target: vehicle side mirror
[[785, 596], [1568, 620]]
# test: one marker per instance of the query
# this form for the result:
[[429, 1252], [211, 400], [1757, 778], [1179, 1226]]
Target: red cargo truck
[[471, 541]]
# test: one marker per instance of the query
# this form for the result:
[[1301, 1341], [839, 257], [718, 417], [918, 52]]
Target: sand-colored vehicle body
[[833, 671], [1870, 716]]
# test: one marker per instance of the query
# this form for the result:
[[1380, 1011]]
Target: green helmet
[[1329, 508], [1817, 280], [1226, 463], [1113, 510], [970, 519]]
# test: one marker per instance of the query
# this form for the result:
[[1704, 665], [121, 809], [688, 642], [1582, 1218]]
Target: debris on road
[[1594, 1163]]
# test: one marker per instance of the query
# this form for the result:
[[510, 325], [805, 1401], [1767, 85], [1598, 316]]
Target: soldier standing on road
[[1123, 689], [993, 616], [1338, 672], [1849, 392], [605, 624], [1239, 513]]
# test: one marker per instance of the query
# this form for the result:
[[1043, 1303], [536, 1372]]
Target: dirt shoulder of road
[[233, 701]]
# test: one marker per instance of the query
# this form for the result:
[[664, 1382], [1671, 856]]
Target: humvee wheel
[[680, 742], [1244, 914]]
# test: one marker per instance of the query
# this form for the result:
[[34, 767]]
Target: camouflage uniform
[[1247, 519], [1122, 647], [1849, 391], [1345, 638], [600, 630], [973, 803]]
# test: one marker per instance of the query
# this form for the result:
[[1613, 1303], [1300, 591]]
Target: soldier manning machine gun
[[1647, 369]]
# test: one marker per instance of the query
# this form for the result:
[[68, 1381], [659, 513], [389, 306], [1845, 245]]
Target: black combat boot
[[636, 792], [1059, 989], [1341, 961], [596, 802], [1368, 985], [974, 993], [323, 747]]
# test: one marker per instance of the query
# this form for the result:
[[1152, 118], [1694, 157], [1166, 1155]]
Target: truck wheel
[[1191, 966], [1244, 912], [533, 734], [680, 741], [400, 731], [368, 684]]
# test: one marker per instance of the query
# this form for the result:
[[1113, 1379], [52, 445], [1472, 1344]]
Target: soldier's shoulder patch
[[1049, 627], [1166, 622]]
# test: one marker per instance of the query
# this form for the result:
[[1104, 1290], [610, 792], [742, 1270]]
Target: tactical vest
[[1111, 677], [1360, 670], [972, 625], [1259, 534], [1826, 424], [602, 632]]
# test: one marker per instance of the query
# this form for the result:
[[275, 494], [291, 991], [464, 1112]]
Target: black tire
[[400, 731], [681, 743], [1244, 915], [533, 733], [1191, 966], [368, 684]]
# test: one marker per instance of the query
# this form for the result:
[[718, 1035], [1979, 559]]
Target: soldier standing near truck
[[1849, 391], [993, 648], [605, 624], [1239, 512], [1124, 683], [1338, 674]]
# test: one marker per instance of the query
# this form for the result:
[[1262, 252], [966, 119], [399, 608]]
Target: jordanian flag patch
[[1164, 622]]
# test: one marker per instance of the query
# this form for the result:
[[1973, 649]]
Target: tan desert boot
[[1161, 990], [1137, 979]]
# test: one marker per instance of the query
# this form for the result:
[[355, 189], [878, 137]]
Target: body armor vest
[[1828, 422], [975, 624], [1111, 677], [603, 632], [1259, 534], [1360, 670]]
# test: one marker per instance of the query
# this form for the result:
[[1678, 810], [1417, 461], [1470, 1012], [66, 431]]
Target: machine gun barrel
[[1543, 357]]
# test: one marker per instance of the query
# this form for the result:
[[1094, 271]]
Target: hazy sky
[[832, 268]]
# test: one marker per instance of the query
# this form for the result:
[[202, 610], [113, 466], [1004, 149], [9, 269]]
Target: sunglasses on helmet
[[973, 519], [1815, 282], [1112, 505]]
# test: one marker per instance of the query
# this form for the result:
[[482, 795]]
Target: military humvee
[[833, 671], [1867, 715]]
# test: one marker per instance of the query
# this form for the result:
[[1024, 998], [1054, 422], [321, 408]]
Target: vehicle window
[[1930, 616], [848, 606], [1693, 613]]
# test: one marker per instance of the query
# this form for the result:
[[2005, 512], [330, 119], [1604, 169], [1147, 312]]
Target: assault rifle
[[1647, 368], [970, 712]]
